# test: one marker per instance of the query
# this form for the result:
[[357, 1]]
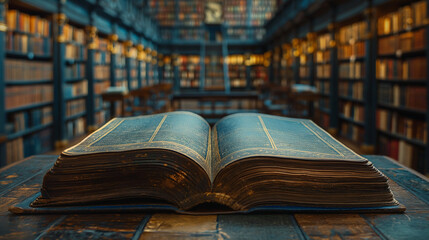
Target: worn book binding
[[246, 161]]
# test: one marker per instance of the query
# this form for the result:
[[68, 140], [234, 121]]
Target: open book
[[244, 162]]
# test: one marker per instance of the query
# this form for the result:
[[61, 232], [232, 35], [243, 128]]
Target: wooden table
[[23, 179]]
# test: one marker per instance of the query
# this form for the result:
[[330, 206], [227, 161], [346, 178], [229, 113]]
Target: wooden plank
[[400, 226], [335, 226], [414, 184], [259, 226], [409, 200], [95, 226], [174, 226], [16, 174]]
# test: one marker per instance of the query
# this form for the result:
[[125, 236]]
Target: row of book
[[236, 12], [323, 56], [21, 121], [24, 44], [351, 70], [73, 34], [75, 71], [353, 33], [323, 71], [402, 43], [412, 97], [398, 69], [352, 111], [322, 86], [237, 75], [101, 87], [392, 122], [323, 42], [102, 72], [189, 33], [17, 70], [24, 23], [75, 128], [36, 143], [18, 96], [190, 13], [75, 107], [76, 89], [351, 131], [353, 89], [75, 52], [404, 152], [351, 52], [406, 18], [258, 75], [304, 71], [262, 11]]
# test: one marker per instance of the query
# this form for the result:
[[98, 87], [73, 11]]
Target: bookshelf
[[189, 71], [75, 89], [237, 71], [167, 69], [258, 69], [351, 74], [286, 65], [401, 79], [323, 68], [28, 84], [101, 75]]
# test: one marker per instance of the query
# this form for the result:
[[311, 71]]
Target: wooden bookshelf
[[401, 77], [28, 79]]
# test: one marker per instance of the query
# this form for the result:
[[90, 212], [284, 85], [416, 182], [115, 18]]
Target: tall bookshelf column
[[311, 39], [426, 161], [60, 137], [369, 90], [113, 40], [295, 54], [3, 28], [91, 34], [333, 85], [140, 59], [128, 45], [176, 77]]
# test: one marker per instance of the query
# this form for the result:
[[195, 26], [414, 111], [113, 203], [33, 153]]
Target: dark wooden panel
[[258, 226], [95, 226], [14, 175], [174, 226], [401, 226], [335, 226]]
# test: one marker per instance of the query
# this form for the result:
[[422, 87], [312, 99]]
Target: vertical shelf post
[[3, 29], [59, 79], [425, 166], [91, 34], [113, 40], [369, 90], [128, 45], [140, 59], [333, 85]]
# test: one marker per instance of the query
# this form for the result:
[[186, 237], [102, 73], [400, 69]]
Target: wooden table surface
[[23, 179]]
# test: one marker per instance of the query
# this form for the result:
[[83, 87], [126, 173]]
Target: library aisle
[[356, 68]]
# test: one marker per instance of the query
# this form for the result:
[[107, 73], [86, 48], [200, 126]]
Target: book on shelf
[[18, 96], [17, 70], [177, 161], [412, 97], [27, 33], [401, 69]]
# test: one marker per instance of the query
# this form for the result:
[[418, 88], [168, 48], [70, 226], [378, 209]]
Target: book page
[[246, 135], [183, 132]]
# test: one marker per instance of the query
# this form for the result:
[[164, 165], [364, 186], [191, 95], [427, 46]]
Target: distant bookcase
[[323, 68], [401, 83], [286, 65], [304, 63], [351, 72], [214, 74], [258, 70], [29, 89], [189, 71], [101, 79], [120, 68], [167, 70], [76, 84], [237, 71]]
